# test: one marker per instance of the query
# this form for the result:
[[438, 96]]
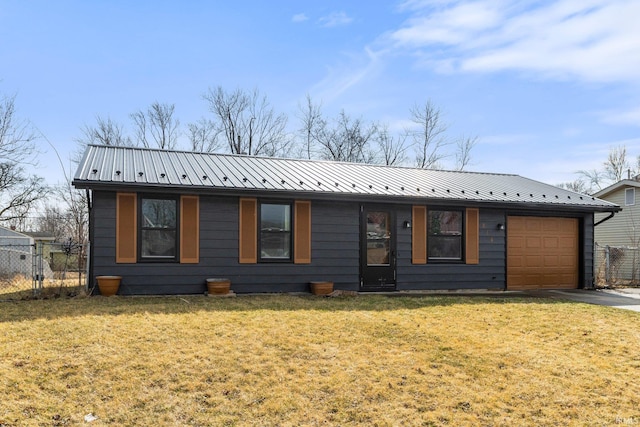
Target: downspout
[[611, 215]]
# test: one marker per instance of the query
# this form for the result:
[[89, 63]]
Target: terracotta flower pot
[[108, 285], [218, 286], [321, 288]]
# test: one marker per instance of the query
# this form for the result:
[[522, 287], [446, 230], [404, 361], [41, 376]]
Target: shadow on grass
[[11, 311], [52, 292]]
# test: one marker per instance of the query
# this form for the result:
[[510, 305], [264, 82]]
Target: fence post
[[87, 266], [37, 269], [607, 265]]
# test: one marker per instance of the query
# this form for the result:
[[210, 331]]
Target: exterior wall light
[[500, 227], [406, 224]]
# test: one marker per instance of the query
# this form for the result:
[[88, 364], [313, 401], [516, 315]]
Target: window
[[444, 241], [275, 232], [158, 228], [630, 196]]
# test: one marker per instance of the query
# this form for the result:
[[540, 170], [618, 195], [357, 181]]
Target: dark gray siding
[[334, 252], [488, 274], [588, 242]]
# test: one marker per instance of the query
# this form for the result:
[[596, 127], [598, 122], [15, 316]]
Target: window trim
[[166, 260], [461, 236], [633, 192], [290, 259]]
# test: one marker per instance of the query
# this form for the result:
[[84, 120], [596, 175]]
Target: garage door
[[542, 253]]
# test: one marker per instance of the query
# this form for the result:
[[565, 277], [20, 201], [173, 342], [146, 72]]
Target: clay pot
[[218, 286], [108, 285], [321, 288]]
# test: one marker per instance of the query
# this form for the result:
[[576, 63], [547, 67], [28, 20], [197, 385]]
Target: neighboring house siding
[[624, 228]]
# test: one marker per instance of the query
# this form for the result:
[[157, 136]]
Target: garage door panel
[[516, 225], [551, 261], [532, 261], [517, 242], [551, 243], [568, 243], [532, 224], [534, 242], [542, 253]]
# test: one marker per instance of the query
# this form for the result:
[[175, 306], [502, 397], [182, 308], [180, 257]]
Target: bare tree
[[203, 136], [594, 179], [156, 127], [463, 151], [19, 190], [616, 164], [392, 148], [346, 140], [578, 186], [76, 214], [312, 121], [105, 132], [52, 221], [614, 169], [248, 123], [429, 136]]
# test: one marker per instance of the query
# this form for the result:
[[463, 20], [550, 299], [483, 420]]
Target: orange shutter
[[126, 230], [302, 233], [189, 230], [419, 235], [472, 236], [248, 244]]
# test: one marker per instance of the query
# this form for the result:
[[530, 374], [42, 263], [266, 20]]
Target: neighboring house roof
[[126, 167], [41, 236], [12, 237], [615, 187]]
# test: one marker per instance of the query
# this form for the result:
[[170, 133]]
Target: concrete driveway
[[627, 299]]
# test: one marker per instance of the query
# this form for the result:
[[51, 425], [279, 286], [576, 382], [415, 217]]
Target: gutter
[[343, 196], [611, 215]]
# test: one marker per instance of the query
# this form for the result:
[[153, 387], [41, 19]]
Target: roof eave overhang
[[345, 196]]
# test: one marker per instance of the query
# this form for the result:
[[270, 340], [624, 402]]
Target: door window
[[378, 238]]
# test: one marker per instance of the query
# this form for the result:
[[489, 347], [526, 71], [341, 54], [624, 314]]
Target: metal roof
[[117, 167]]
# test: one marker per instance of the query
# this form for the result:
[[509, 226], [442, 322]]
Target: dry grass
[[20, 287], [287, 360]]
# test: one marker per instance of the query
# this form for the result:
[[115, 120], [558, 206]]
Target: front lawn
[[302, 360]]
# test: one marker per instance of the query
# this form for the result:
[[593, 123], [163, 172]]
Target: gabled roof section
[[625, 183], [7, 233], [127, 167]]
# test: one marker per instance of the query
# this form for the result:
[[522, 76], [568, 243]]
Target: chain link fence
[[42, 270], [617, 266]]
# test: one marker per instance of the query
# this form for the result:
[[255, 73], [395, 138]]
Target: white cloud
[[592, 40], [451, 26], [300, 17], [341, 79], [619, 117], [335, 19]]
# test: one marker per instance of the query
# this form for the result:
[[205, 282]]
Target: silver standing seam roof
[[129, 167]]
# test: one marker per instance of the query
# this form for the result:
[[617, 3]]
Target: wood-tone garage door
[[542, 253]]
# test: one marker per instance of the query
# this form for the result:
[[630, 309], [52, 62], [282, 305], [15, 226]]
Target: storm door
[[377, 249]]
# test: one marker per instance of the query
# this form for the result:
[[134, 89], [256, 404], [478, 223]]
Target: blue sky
[[547, 86]]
